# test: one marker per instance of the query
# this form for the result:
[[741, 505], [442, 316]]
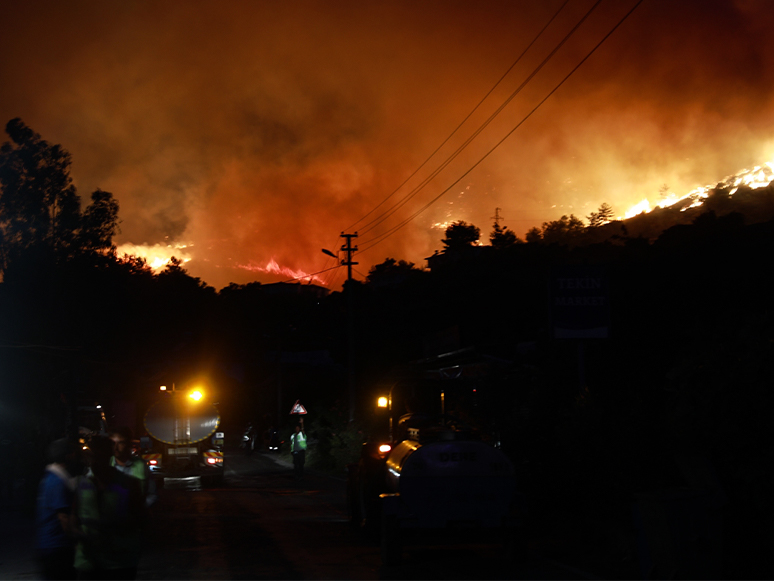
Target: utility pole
[[349, 249], [497, 217]]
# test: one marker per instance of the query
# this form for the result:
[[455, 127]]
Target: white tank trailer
[[185, 440]]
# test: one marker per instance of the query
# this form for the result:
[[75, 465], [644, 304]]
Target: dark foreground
[[263, 524]]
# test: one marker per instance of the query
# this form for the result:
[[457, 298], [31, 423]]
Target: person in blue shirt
[[56, 549]]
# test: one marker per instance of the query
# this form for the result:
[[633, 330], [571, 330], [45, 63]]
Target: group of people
[[91, 509]]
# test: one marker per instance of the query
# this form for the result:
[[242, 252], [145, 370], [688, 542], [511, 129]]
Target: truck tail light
[[384, 449]]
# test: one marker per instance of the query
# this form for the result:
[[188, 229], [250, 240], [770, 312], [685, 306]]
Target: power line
[[304, 276], [486, 123], [456, 129], [374, 241]]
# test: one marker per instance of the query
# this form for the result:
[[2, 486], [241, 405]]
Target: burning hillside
[[759, 176]]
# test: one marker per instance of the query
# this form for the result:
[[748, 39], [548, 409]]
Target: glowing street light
[[382, 402], [196, 395]]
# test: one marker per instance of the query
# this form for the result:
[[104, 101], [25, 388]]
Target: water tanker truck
[[431, 475], [184, 438]]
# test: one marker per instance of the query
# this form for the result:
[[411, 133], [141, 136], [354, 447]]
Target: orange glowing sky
[[254, 132]]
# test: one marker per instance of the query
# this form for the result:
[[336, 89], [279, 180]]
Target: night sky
[[253, 131]]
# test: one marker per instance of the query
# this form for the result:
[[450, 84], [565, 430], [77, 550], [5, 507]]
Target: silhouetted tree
[[460, 234], [100, 223], [534, 235], [40, 210], [602, 216], [503, 238], [390, 268], [563, 230]]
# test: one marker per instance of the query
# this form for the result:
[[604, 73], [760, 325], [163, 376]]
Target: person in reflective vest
[[108, 516], [298, 449], [124, 461]]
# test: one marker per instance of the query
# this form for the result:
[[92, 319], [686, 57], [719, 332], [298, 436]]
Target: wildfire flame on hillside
[[273, 268], [157, 256], [758, 177]]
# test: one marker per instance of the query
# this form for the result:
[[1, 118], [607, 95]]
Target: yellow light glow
[[382, 402], [163, 388], [196, 395]]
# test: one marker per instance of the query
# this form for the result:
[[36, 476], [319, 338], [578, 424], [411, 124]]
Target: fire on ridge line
[[758, 177], [158, 256]]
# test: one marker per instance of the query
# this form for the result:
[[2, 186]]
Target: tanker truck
[[433, 473], [184, 440]]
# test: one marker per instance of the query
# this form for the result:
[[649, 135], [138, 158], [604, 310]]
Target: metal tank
[[178, 422], [187, 442]]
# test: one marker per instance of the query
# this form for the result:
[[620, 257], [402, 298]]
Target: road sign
[[580, 304], [297, 408]]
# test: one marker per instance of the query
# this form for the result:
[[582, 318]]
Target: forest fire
[[156, 256], [759, 176], [272, 267]]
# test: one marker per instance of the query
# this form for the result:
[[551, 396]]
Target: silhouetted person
[[132, 465], [298, 449], [56, 549], [108, 515]]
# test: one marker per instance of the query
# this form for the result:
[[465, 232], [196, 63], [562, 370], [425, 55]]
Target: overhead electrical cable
[[377, 240], [311, 274], [459, 126], [332, 273], [481, 128]]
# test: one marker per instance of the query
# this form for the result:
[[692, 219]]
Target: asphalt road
[[263, 524]]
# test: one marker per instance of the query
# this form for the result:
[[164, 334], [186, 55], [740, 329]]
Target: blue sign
[[580, 302]]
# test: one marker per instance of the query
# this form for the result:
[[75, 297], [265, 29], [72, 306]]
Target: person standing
[[56, 549], [108, 514], [298, 449], [130, 464]]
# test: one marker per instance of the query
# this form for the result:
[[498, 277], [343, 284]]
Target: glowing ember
[[273, 268], [758, 177], [158, 255]]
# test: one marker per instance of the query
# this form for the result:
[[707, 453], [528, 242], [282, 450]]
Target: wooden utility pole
[[349, 249]]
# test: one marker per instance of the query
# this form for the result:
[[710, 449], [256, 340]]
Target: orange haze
[[254, 132]]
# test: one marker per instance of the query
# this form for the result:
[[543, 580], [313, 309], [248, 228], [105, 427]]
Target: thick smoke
[[260, 130]]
